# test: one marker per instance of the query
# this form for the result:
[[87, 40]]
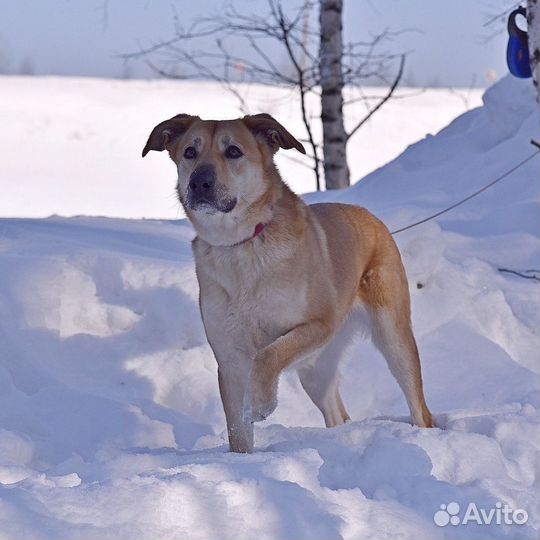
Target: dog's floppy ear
[[272, 131], [165, 133]]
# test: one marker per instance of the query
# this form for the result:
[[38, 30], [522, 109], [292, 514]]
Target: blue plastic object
[[517, 52]]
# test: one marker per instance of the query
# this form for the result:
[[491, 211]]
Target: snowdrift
[[110, 420]]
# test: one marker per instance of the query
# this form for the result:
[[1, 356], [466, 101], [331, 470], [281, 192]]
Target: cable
[[492, 183]]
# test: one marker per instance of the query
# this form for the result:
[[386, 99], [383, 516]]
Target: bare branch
[[382, 102], [188, 55], [368, 97], [502, 15], [302, 91], [298, 160]]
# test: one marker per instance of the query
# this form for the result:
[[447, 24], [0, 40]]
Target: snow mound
[[110, 420]]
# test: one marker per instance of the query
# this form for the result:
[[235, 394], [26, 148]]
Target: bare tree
[[336, 170], [279, 48]]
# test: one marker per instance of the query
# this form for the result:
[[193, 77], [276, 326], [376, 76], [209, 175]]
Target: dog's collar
[[259, 228]]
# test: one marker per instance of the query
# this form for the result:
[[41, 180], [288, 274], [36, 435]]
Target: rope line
[[527, 274], [492, 183]]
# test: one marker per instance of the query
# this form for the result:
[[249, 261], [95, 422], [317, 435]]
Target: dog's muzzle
[[205, 192], [202, 183]]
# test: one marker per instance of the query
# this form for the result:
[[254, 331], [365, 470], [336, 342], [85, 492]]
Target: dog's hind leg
[[387, 295], [320, 379], [396, 342], [323, 389]]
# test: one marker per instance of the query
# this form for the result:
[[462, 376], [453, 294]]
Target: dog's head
[[223, 166]]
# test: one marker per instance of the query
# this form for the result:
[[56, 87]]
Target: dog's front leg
[[261, 398], [232, 385], [234, 368], [234, 363]]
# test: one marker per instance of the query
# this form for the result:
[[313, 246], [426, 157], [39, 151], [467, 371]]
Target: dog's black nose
[[202, 180]]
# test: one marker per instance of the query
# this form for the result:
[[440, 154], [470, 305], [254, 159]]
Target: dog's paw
[[260, 401], [241, 439], [260, 410]]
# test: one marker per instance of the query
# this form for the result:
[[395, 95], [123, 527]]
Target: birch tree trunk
[[533, 31], [336, 171]]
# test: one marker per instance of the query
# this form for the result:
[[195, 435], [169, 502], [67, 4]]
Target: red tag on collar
[[259, 228]]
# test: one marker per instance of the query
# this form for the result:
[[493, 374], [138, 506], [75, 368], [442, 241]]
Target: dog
[[282, 283]]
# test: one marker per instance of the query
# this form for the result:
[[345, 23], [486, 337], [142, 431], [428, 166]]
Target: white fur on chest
[[260, 301]]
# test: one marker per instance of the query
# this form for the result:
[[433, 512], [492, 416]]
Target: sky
[[446, 41]]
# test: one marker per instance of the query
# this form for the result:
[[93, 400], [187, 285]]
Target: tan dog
[[279, 280]]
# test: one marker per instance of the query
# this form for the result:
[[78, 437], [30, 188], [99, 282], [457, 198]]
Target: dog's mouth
[[212, 205], [216, 200]]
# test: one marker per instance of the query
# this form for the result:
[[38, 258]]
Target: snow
[[110, 420], [72, 140]]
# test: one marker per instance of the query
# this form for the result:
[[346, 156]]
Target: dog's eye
[[233, 152], [190, 153]]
